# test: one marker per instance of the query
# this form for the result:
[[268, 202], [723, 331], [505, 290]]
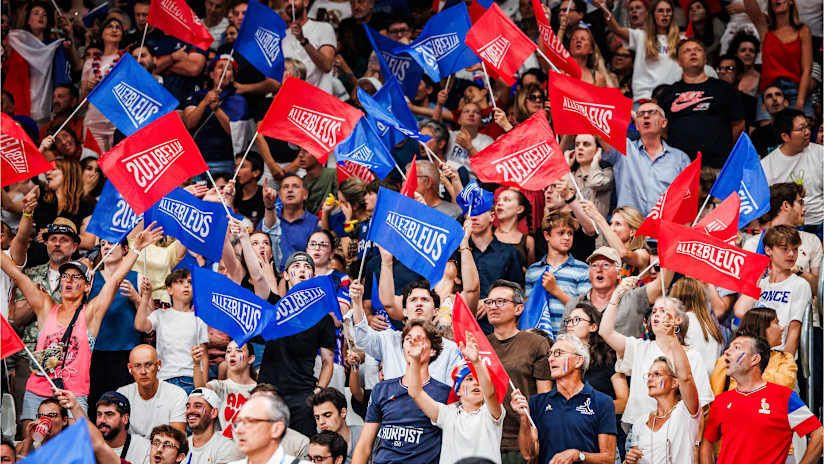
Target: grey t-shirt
[[629, 320], [449, 208]]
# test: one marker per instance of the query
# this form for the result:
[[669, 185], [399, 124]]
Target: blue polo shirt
[[571, 424], [294, 235], [572, 277]]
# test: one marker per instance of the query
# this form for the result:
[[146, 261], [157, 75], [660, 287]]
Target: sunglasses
[[536, 98]]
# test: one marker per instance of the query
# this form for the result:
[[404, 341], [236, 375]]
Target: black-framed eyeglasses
[[50, 415], [164, 444], [320, 245], [729, 68], [318, 459], [573, 321], [496, 302], [536, 98], [558, 353], [402, 30], [623, 55], [71, 277]]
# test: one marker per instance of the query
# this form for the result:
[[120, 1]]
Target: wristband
[[570, 200], [28, 215], [304, 42], [269, 209]]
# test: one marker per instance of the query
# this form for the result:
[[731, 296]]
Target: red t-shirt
[[758, 426]]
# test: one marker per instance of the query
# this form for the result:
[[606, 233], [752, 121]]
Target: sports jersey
[[758, 426], [406, 434], [789, 298]]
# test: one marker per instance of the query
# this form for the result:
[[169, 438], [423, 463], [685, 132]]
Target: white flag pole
[[252, 142], [219, 194], [581, 195], [488, 85]]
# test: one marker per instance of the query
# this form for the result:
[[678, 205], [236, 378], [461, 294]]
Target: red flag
[[463, 321], [500, 43], [10, 342], [713, 8], [696, 254], [91, 143], [527, 157], [690, 32], [153, 161], [17, 82], [722, 222], [552, 45], [582, 108], [410, 185], [175, 18], [349, 169], [309, 117], [21, 158], [678, 204]]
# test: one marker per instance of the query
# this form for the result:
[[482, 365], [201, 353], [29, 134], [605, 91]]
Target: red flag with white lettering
[[349, 169], [582, 108], [722, 222], [175, 18], [500, 43], [21, 159], [527, 157], [552, 45], [696, 254], [152, 162], [309, 117], [463, 321], [410, 185], [679, 204], [10, 342]]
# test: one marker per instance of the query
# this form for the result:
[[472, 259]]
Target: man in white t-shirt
[[215, 19], [206, 444], [113, 412], [153, 401], [467, 141], [311, 42], [798, 160]]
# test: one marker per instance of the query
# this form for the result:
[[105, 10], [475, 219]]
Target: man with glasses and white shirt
[[258, 429]]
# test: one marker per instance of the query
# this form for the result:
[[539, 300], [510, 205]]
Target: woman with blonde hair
[[703, 335], [64, 196], [619, 233]]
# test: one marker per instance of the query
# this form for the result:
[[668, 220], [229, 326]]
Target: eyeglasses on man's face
[[496, 302]]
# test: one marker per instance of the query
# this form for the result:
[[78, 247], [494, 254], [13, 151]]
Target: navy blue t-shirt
[[406, 434], [571, 424], [117, 332]]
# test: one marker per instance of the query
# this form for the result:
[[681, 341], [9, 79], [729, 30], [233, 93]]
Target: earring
[[677, 329]]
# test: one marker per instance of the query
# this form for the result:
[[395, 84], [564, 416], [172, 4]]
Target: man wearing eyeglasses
[[58, 419], [169, 445], [258, 430], [207, 445], [327, 448]]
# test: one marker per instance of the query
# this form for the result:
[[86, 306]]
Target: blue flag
[[379, 114], [71, 446], [228, 307], [421, 237], [364, 147], [199, 225], [742, 173], [536, 311], [130, 97], [401, 66], [113, 218], [391, 97], [441, 48], [302, 307], [259, 39], [475, 198]]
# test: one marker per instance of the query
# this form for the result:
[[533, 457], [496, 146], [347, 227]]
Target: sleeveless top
[[75, 372], [779, 60]]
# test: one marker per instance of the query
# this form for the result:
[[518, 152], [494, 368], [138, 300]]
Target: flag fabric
[[500, 43], [474, 199], [582, 108], [21, 159], [552, 45], [390, 98], [130, 97], [722, 222], [302, 307], [678, 204], [349, 169], [30, 73], [477, 9], [309, 117], [441, 47], [527, 157], [91, 143], [380, 115], [696, 254], [228, 307], [175, 18], [421, 237], [113, 218], [260, 39], [463, 321], [151, 163], [536, 311], [199, 225], [71, 446], [10, 342], [410, 185], [377, 306], [742, 173], [364, 147], [401, 66]]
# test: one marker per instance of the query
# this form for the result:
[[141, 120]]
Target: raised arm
[[469, 350], [146, 306], [757, 17], [612, 23], [39, 301], [386, 287], [683, 371], [20, 243], [527, 434], [607, 330], [471, 292], [415, 383], [638, 258]]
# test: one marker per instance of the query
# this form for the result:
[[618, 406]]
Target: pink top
[[75, 373]]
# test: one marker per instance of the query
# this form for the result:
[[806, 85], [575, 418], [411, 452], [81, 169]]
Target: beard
[[110, 433]]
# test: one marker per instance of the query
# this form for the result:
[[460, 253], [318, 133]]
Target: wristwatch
[[304, 42], [581, 456]]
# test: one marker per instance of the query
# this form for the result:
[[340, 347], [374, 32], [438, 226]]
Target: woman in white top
[[668, 316], [703, 335]]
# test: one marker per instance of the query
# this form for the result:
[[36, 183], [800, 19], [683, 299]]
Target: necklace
[[663, 416], [96, 63], [668, 451]]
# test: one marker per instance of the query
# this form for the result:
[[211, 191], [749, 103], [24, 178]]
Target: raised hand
[[148, 236], [469, 349]]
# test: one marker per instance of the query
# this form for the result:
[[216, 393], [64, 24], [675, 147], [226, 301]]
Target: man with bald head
[[153, 401], [429, 185]]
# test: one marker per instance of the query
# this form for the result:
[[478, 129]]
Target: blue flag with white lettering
[[391, 97], [130, 97], [536, 311], [401, 66], [364, 147], [113, 218], [421, 237], [259, 39], [441, 48], [379, 115], [475, 199], [71, 446], [302, 307], [199, 225], [228, 307], [742, 173]]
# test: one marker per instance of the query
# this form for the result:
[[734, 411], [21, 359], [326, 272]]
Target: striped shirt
[[572, 277]]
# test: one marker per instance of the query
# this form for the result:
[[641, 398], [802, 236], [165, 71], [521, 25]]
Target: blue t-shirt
[[571, 424], [117, 330], [406, 434]]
